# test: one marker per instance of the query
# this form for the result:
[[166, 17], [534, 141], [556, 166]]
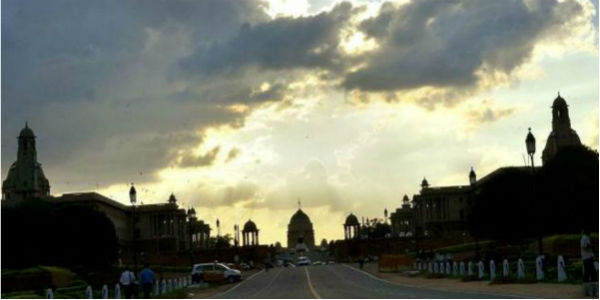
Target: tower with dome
[[25, 177], [562, 134]]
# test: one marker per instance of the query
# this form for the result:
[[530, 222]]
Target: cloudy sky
[[242, 108]]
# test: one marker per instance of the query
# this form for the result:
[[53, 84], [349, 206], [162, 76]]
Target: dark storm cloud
[[92, 79], [444, 43], [283, 43]]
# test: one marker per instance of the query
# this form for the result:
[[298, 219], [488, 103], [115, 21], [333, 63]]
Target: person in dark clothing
[[361, 262], [147, 279]]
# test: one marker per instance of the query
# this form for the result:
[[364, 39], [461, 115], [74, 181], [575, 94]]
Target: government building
[[156, 228], [442, 210]]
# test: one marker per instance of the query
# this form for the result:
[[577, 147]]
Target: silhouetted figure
[[127, 281], [587, 257], [361, 262], [147, 280]]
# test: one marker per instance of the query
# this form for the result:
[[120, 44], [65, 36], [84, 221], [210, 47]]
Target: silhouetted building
[[300, 231], [562, 134], [351, 227], [160, 227], [402, 219], [25, 177], [250, 234]]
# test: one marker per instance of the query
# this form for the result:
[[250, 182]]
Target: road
[[330, 281]]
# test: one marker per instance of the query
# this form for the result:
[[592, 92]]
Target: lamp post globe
[[530, 143], [472, 177], [132, 195]]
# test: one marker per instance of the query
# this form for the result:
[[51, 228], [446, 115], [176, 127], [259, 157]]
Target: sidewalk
[[533, 290]]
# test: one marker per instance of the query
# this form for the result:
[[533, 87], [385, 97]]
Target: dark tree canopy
[[570, 193], [563, 198], [36, 232]]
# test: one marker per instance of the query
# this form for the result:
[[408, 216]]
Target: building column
[[256, 238]]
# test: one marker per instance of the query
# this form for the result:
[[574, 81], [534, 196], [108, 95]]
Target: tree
[[570, 193], [38, 232]]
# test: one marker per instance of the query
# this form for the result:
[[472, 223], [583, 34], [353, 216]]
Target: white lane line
[[237, 285], [310, 286], [436, 289], [268, 285]]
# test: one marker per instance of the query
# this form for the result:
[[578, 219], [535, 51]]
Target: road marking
[[312, 289], [268, 285], [237, 285], [435, 289]]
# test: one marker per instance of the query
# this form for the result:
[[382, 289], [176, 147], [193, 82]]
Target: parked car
[[215, 272], [303, 261], [245, 266]]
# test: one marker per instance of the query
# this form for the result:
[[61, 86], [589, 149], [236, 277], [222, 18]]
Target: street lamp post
[[472, 181], [191, 220], [217, 244], [530, 144], [133, 200]]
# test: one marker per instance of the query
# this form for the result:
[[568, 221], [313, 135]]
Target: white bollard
[[520, 269], [88, 292], [448, 268], [470, 269], [156, 288], [481, 269], [117, 291], [170, 285], [505, 269], [454, 269], [105, 292], [539, 267], [436, 267], [462, 269], [561, 269], [492, 270], [49, 294], [163, 287]]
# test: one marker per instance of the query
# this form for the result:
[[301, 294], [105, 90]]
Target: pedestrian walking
[[147, 279], [127, 281], [361, 262], [587, 257]]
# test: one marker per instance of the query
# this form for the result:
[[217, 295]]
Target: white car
[[303, 261], [215, 272]]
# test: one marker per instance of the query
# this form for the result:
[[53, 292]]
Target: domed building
[[300, 231], [351, 227], [250, 234], [562, 134], [25, 177]]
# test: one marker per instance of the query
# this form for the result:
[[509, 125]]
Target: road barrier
[[166, 286], [442, 265]]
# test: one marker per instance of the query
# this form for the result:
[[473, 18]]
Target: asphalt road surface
[[330, 281]]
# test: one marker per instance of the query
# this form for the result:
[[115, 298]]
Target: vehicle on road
[[303, 261], [213, 272]]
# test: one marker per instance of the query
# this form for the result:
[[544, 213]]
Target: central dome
[[299, 219], [300, 230]]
